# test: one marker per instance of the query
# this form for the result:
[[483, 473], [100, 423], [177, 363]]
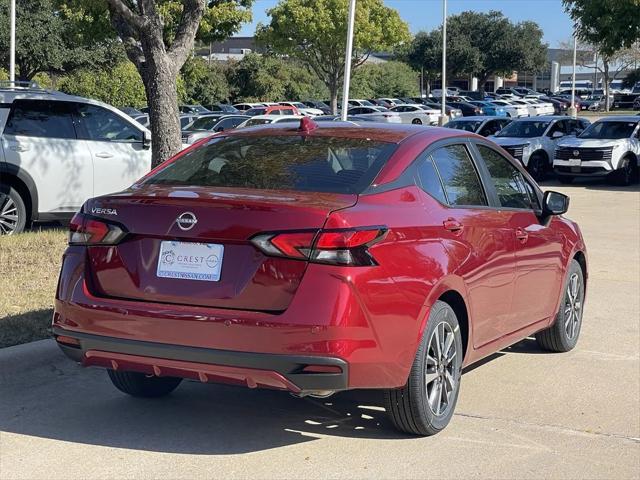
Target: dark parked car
[[468, 109], [222, 107], [205, 125], [482, 125], [193, 109], [326, 109], [322, 258]]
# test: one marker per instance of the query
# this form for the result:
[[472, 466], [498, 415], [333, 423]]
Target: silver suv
[[58, 150]]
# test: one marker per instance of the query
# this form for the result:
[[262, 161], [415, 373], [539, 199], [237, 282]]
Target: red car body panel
[[505, 265]]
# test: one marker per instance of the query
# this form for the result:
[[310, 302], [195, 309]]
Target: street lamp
[[12, 41], [443, 113], [347, 60], [572, 109]]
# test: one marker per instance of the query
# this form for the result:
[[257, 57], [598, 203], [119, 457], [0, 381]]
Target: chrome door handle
[[104, 155]]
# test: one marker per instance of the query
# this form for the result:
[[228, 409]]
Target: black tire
[[628, 174], [13, 212], [410, 407], [563, 335], [537, 166], [416, 121], [565, 179], [141, 385]]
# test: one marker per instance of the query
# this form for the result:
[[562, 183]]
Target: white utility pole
[[443, 113], [572, 110], [12, 41], [347, 59]]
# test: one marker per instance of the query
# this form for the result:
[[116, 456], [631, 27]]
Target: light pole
[[347, 60], [443, 112], [572, 109], [12, 41]]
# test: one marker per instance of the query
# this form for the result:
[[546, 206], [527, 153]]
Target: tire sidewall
[[436, 316], [574, 267], [20, 206]]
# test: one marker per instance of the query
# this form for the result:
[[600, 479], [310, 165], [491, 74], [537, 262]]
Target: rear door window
[[41, 118], [318, 164], [461, 182]]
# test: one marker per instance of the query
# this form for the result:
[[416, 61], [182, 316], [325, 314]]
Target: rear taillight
[[336, 247], [87, 230]]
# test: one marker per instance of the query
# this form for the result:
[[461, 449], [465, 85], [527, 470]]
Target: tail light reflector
[[336, 247], [87, 230]]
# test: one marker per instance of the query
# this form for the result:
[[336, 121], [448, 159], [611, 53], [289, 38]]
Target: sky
[[427, 14]]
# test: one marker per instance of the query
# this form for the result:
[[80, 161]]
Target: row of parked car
[[57, 150]]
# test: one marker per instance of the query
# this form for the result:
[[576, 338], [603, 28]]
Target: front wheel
[[425, 405], [563, 335], [140, 385], [628, 174], [416, 121], [537, 166], [13, 212]]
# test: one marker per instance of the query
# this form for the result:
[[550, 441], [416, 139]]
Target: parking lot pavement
[[522, 413]]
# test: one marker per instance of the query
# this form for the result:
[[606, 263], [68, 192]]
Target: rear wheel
[[537, 166], [425, 405], [141, 385], [563, 335], [13, 212], [416, 121]]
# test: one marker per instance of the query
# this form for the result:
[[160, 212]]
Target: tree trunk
[[160, 86], [333, 91]]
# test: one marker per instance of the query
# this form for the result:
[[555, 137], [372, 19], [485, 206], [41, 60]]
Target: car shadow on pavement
[[62, 401], [51, 397]]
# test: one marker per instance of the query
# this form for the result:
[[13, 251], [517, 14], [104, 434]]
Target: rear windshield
[[317, 164]]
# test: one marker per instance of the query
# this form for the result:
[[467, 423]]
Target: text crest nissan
[[315, 259]]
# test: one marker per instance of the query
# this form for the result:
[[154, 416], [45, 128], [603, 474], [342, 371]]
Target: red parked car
[[316, 259]]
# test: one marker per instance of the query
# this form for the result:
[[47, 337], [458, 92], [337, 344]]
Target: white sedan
[[417, 114], [513, 110], [377, 114]]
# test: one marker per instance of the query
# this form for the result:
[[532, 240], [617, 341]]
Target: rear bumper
[[295, 373]]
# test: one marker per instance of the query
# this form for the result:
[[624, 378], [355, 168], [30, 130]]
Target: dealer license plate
[[190, 261]]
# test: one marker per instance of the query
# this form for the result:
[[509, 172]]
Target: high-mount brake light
[[336, 247], [87, 230]]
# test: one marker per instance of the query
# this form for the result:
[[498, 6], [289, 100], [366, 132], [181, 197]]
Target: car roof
[[546, 118], [273, 117], [393, 133], [620, 118], [476, 118]]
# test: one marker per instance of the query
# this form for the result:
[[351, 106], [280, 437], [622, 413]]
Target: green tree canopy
[[205, 84], [375, 80], [315, 33], [481, 45], [47, 41], [264, 78], [611, 25]]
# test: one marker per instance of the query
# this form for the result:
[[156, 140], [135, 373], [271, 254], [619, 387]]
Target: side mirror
[[146, 140], [557, 135], [554, 203]]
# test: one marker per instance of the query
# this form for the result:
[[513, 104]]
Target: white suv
[[58, 150], [610, 146], [533, 141]]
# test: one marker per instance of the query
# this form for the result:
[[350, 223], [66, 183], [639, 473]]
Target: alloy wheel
[[573, 307], [8, 215], [440, 375]]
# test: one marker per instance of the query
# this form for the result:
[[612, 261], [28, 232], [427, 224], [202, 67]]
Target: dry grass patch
[[29, 267]]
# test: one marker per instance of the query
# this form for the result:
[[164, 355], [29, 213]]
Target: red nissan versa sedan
[[316, 259]]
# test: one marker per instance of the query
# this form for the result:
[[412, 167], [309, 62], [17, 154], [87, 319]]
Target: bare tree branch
[[182, 45], [125, 12]]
